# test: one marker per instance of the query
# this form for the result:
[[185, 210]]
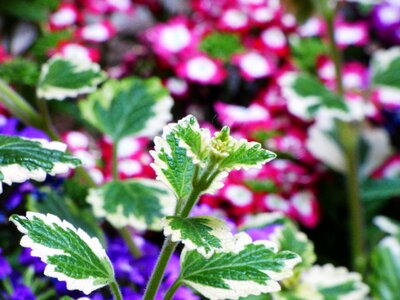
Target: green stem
[[115, 290], [47, 125], [158, 271], [349, 138], [8, 286], [18, 106], [115, 160], [334, 50], [126, 235], [172, 290]]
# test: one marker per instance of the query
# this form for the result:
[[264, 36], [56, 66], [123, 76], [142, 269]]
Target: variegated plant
[[214, 262]]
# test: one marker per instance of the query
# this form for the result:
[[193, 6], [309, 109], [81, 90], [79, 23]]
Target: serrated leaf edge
[[220, 230], [85, 285], [118, 220]]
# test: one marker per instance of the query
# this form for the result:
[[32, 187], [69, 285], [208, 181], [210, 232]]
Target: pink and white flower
[[233, 115], [97, 32], [313, 27], [78, 51], [274, 40], [351, 34], [177, 86], [254, 65], [305, 207], [388, 98], [202, 69], [234, 19], [66, 15], [355, 76]]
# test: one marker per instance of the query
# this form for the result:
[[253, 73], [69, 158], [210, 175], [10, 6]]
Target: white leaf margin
[[244, 288], [85, 285], [325, 276], [58, 93], [387, 225], [119, 220], [220, 230], [15, 173]]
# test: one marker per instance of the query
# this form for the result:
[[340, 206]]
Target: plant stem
[[47, 125], [172, 290], [126, 235], [334, 50], [349, 138], [158, 271], [115, 290], [18, 106], [115, 160]]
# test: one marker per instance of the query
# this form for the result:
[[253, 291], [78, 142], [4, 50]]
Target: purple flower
[[21, 291], [26, 259], [5, 268], [263, 233]]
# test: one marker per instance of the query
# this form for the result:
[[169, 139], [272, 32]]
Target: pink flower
[[305, 207], [351, 34], [202, 69], [313, 27], [254, 65], [387, 98], [274, 40], [176, 86], [96, 6], [276, 203], [234, 19], [76, 140], [233, 115], [66, 15], [97, 32], [272, 99], [390, 168], [120, 5], [355, 76], [171, 38], [75, 50]]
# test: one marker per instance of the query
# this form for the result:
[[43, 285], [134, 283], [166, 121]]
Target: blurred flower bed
[[227, 62]]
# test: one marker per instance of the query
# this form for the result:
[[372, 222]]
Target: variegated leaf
[[140, 203], [335, 282], [62, 78], [70, 254], [242, 269], [22, 159], [239, 154], [128, 107], [204, 234], [385, 65], [306, 95]]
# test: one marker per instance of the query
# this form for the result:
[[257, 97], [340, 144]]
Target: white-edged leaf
[[385, 269], [140, 203], [128, 107], [384, 69], [172, 164], [62, 78], [22, 159], [204, 234], [193, 138], [387, 225], [239, 154], [243, 269], [335, 282], [306, 95], [70, 254]]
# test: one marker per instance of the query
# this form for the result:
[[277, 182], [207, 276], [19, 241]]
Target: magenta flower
[[274, 40], [351, 34], [66, 15], [75, 50], [97, 32], [233, 115], [202, 69], [255, 65], [234, 19]]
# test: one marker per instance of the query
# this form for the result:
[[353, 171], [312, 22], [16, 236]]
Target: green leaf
[[19, 71], [62, 78], [385, 269], [140, 203], [221, 45], [172, 164], [306, 51], [385, 66], [239, 154], [307, 95], [204, 234], [66, 209], [387, 225], [288, 237], [49, 41], [261, 185], [30, 10], [70, 254], [245, 269], [380, 190], [128, 107], [22, 159], [335, 283]]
